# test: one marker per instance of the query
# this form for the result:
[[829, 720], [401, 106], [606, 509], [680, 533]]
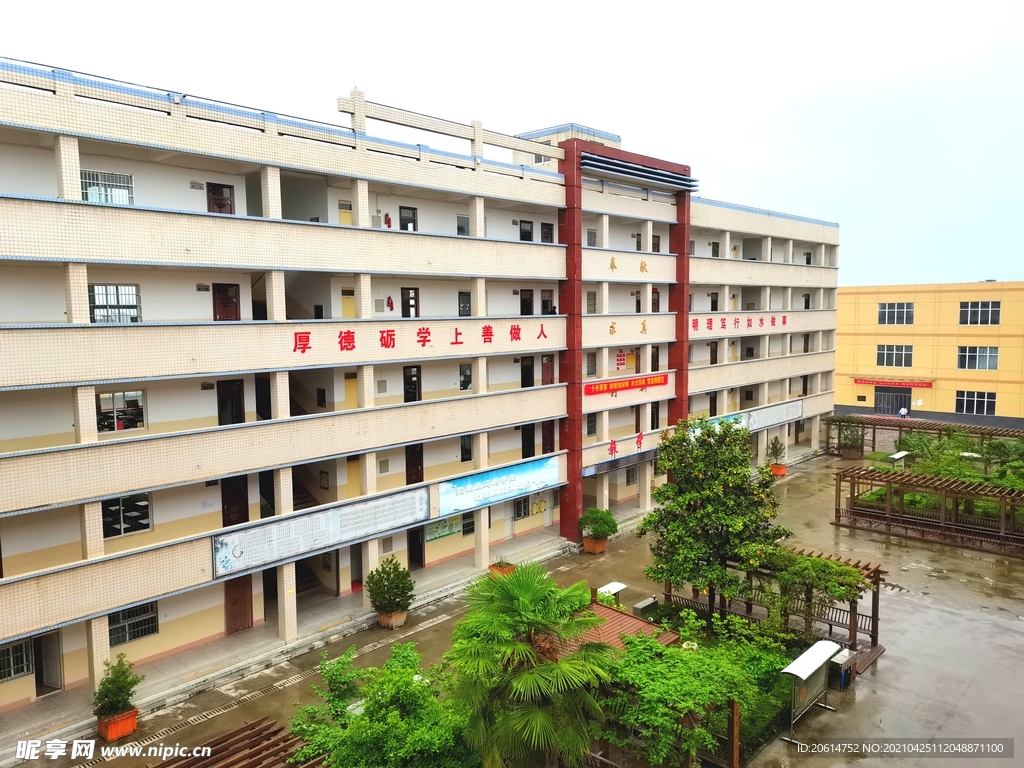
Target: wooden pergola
[[946, 523], [874, 424], [830, 618], [259, 744]]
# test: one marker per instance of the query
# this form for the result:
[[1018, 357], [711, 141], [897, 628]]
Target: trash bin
[[840, 670]]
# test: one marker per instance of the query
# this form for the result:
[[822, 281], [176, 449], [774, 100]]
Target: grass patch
[[878, 456]]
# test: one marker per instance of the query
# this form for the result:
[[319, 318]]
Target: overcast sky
[[903, 122]]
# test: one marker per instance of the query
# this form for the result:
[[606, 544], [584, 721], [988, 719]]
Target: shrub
[[116, 690], [598, 524], [776, 450], [390, 587]]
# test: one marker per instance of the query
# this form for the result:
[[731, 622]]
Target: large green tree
[[397, 718], [522, 672], [712, 509]]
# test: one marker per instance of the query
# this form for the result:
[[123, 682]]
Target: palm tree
[[523, 672]]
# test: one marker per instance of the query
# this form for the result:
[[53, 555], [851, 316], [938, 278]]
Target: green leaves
[[713, 510], [116, 689], [390, 586], [399, 719], [528, 693]]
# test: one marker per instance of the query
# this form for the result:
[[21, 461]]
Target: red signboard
[[883, 383], [639, 382]]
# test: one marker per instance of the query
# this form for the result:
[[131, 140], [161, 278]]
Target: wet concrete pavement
[[952, 621]]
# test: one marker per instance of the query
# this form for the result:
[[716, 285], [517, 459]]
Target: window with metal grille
[[979, 312], [592, 238], [630, 475], [115, 304], [547, 233], [656, 243], [591, 302], [116, 411], [896, 313], [466, 447], [133, 623], [895, 355], [655, 300], [126, 514], [976, 403], [521, 508], [468, 524], [15, 660], [655, 416], [556, 497], [978, 358], [591, 424], [591, 363], [109, 188]]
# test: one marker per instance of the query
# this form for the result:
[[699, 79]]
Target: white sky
[[901, 121]]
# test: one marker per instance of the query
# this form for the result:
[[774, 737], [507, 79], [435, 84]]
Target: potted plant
[[597, 525], [390, 587], [776, 450], [116, 715], [501, 567]]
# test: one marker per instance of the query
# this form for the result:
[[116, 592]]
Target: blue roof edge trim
[[763, 212], [565, 127]]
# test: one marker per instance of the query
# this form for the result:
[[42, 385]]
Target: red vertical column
[[570, 362], [679, 302]]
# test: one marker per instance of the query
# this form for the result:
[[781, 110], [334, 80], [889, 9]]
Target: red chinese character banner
[[637, 382]]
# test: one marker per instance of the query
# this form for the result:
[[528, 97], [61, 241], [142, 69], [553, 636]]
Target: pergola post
[[750, 591], [839, 495], [888, 505], [875, 596], [1002, 518], [734, 734], [942, 508], [853, 624], [874, 437]]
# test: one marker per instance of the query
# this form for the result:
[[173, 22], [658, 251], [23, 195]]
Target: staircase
[[301, 497], [296, 409]]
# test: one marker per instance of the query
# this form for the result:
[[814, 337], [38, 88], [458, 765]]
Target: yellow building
[[949, 352]]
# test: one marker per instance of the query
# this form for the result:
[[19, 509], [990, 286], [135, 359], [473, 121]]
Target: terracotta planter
[[852, 452], [501, 570], [594, 546], [779, 470], [391, 620], [118, 726]]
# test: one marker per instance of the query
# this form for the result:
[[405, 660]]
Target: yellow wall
[[935, 335], [17, 692], [176, 635], [447, 548]]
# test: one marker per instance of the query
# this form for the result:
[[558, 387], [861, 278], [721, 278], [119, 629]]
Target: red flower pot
[[117, 726], [594, 546]]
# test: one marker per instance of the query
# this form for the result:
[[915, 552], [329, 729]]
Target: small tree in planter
[[501, 567], [390, 587], [597, 525], [116, 715], [776, 450]]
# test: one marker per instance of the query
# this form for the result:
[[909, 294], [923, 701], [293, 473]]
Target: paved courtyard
[[952, 622]]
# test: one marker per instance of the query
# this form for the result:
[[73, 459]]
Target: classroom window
[[895, 355], [979, 312], [15, 660], [109, 188], [526, 231], [656, 243], [592, 238], [462, 226], [521, 508], [465, 376], [591, 302], [466, 448], [132, 624], [978, 358], [591, 363], [115, 304], [126, 514], [630, 475], [116, 411], [976, 403], [547, 233], [468, 524], [591, 424], [896, 313]]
